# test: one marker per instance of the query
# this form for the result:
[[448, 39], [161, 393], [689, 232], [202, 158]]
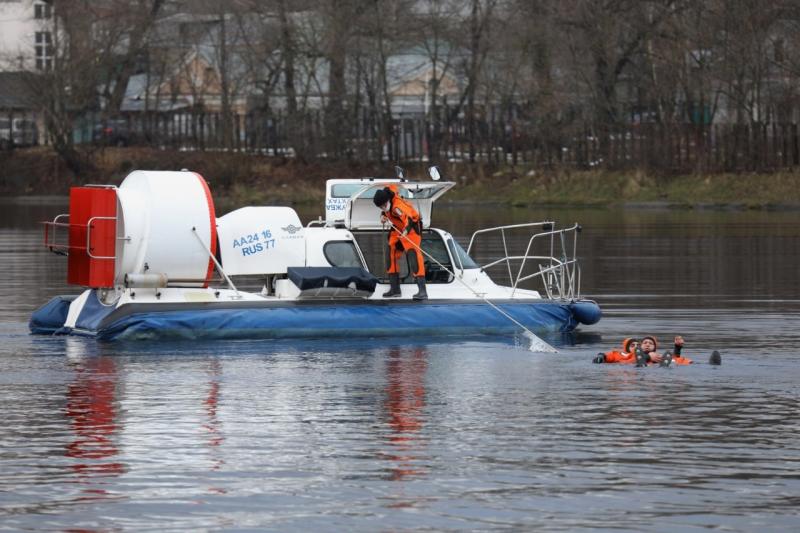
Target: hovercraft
[[156, 262]]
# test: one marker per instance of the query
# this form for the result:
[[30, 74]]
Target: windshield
[[461, 255]]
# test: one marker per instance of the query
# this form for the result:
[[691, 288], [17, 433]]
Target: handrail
[[55, 224], [513, 258], [63, 249], [502, 230], [552, 233], [560, 275], [573, 281], [509, 226], [89, 238]]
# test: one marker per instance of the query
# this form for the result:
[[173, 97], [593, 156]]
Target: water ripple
[[441, 434]]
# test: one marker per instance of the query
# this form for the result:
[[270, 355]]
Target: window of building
[[42, 11], [44, 50]]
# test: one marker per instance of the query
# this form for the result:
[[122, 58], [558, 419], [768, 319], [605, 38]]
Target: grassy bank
[[240, 179], [603, 188]]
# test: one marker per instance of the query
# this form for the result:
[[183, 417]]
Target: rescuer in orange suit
[[405, 238]]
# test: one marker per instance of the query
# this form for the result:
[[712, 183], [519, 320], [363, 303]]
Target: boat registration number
[[254, 243]]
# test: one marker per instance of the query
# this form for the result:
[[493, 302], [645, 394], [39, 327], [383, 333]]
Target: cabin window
[[373, 246], [346, 190], [436, 271], [341, 254]]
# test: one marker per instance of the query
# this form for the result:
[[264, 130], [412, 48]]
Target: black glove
[[601, 358], [641, 358]]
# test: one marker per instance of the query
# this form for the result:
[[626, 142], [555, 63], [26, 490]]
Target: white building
[[26, 39]]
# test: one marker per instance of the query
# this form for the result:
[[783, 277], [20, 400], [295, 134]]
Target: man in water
[[645, 352]]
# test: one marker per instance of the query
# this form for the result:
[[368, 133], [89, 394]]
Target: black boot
[[394, 286], [423, 292]]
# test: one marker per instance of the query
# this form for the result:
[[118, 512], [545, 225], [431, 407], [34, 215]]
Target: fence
[[669, 148]]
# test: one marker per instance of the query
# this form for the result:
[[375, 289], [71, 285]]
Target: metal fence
[[669, 148]]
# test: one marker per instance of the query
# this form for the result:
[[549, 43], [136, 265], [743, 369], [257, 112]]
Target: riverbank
[[240, 179], [635, 189]]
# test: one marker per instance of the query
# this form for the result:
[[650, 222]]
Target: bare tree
[[143, 14], [70, 86], [437, 26]]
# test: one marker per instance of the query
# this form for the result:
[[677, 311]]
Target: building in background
[[26, 35], [26, 45]]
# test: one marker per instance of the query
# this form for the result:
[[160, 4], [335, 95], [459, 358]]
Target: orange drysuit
[[627, 357], [404, 219], [623, 356]]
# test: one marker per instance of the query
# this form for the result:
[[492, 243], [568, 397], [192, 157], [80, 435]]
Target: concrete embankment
[[240, 179]]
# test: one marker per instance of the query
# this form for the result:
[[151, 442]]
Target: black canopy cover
[[335, 277]]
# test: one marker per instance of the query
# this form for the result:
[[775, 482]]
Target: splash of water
[[536, 344]]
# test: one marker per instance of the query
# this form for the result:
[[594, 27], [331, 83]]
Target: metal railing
[[52, 245], [559, 271], [51, 237]]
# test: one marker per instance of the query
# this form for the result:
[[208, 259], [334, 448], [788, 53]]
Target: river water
[[427, 433]]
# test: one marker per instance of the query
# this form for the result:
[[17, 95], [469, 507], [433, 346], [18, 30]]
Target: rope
[[534, 338]]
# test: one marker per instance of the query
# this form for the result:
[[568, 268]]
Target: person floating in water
[[624, 356], [644, 352]]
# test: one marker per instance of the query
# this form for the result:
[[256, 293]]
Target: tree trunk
[[224, 83], [293, 126], [336, 127]]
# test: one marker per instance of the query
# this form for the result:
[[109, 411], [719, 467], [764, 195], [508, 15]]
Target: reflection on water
[[405, 403], [442, 434], [212, 424], [91, 410]]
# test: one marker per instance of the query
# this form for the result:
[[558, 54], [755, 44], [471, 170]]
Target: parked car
[[113, 132], [18, 132]]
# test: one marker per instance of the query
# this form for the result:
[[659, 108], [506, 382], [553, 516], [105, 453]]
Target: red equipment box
[[92, 236]]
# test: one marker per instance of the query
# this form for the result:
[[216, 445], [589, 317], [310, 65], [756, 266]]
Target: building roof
[[15, 91]]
